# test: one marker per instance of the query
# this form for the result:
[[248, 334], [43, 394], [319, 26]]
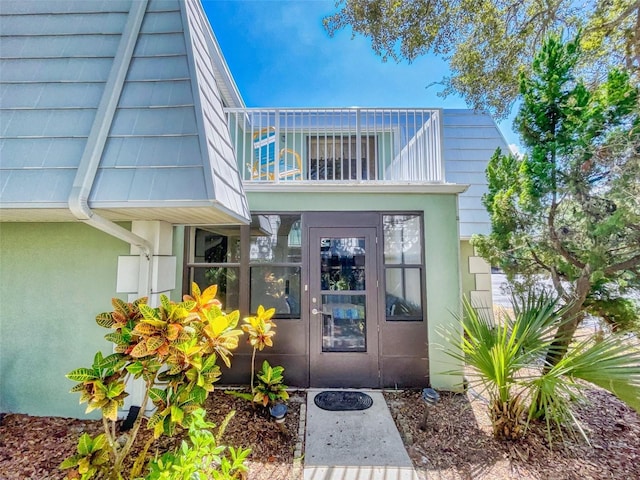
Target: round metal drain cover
[[341, 401]]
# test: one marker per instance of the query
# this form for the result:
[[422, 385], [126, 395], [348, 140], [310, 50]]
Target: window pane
[[402, 239], [275, 238], [344, 323], [342, 263], [227, 281], [276, 287], [217, 245], [334, 157], [403, 293]]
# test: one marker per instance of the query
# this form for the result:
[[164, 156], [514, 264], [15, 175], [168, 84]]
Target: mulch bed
[[457, 444], [458, 441], [33, 447]]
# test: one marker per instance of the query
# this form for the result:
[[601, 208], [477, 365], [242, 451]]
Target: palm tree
[[506, 359]]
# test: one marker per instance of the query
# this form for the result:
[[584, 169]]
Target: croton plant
[[173, 349]]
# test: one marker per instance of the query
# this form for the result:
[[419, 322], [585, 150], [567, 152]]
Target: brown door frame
[[344, 369]]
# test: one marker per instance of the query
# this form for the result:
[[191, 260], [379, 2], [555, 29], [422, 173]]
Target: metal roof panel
[[47, 123], [165, 152], [55, 69], [12, 7], [60, 46], [36, 185], [152, 184], [50, 95], [162, 22], [154, 121], [67, 24], [160, 44], [162, 93], [161, 68], [40, 152]]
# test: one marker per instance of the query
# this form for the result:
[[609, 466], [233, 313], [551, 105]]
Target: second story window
[[333, 156]]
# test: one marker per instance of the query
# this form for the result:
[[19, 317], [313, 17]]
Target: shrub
[[174, 350]]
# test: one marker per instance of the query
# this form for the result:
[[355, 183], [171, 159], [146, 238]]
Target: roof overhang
[[174, 214]]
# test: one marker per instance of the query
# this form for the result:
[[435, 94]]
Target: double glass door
[[343, 307]]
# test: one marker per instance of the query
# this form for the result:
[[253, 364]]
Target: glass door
[[343, 317]]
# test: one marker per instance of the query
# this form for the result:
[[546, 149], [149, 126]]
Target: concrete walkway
[[354, 445]]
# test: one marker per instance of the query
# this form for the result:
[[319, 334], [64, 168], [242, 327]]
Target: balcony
[[337, 145]]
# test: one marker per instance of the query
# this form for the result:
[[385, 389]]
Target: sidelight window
[[403, 267]]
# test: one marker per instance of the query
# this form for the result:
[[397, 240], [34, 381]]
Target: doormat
[[342, 401]]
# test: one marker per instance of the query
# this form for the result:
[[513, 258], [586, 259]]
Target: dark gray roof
[[168, 155], [469, 141]]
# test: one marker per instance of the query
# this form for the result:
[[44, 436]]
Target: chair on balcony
[[264, 165]]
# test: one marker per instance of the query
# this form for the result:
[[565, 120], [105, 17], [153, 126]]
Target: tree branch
[[555, 241], [625, 265], [618, 20]]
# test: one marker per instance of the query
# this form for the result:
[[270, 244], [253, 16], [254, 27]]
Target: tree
[[570, 208], [488, 42]]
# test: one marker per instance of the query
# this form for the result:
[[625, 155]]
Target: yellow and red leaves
[[163, 350], [154, 343], [110, 410], [261, 399], [105, 319], [265, 315], [173, 331], [144, 329], [140, 350], [259, 328], [82, 375], [203, 300], [151, 316]]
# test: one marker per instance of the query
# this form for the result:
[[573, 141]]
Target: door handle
[[314, 311]]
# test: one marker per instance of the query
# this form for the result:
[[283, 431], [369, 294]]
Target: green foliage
[[507, 362], [101, 386], [487, 43], [201, 457], [570, 208], [92, 457], [172, 348], [269, 387]]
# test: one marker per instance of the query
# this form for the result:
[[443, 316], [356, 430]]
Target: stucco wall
[[54, 279], [442, 276]]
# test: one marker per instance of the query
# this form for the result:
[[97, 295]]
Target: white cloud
[[515, 149]]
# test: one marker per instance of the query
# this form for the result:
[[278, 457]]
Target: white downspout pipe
[[88, 167]]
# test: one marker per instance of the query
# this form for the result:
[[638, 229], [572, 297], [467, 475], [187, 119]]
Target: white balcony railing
[[337, 144]]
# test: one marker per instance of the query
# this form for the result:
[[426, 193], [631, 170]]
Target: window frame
[[403, 267]]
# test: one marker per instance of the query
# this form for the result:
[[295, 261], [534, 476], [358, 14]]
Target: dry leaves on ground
[[458, 442], [33, 447]]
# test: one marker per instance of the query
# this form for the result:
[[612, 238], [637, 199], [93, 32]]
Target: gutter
[[87, 169]]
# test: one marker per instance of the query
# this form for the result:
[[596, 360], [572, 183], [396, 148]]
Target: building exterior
[[130, 166]]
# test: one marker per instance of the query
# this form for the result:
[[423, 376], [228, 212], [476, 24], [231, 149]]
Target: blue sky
[[281, 56]]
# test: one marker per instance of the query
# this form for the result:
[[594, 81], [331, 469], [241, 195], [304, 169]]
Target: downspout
[[88, 167]]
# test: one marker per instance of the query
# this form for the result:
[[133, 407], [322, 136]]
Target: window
[[403, 267], [216, 261], [334, 157], [275, 263]]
